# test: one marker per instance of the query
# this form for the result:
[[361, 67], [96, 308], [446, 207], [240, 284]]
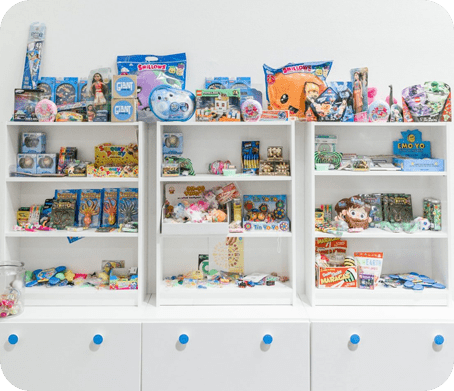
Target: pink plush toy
[[194, 213]]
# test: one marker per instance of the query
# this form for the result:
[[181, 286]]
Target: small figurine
[[98, 89], [354, 211]]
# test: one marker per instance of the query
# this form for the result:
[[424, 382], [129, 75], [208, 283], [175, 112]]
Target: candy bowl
[[12, 285]]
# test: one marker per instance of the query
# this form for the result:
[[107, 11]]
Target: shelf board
[[69, 180], [88, 233], [222, 178], [66, 296], [377, 233], [263, 234], [381, 296], [412, 125], [234, 124], [71, 124], [378, 173], [281, 293]]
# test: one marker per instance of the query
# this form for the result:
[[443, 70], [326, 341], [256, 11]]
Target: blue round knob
[[267, 339], [13, 339], [98, 339], [439, 340], [354, 339], [184, 339]]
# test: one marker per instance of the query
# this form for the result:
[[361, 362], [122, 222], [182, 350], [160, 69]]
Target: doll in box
[[98, 89], [354, 211]]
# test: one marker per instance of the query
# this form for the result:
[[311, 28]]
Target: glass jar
[[12, 288]]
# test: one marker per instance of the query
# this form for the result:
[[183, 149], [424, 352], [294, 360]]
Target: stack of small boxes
[[124, 101], [275, 163], [33, 158]]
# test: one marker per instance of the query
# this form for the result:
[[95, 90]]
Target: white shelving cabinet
[[424, 252], [51, 249], [263, 252]]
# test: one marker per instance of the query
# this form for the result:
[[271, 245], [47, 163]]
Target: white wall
[[403, 42]]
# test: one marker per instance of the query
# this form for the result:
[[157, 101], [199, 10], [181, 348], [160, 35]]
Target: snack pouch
[[152, 71], [295, 86]]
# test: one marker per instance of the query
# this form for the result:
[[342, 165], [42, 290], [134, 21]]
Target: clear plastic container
[[12, 288]]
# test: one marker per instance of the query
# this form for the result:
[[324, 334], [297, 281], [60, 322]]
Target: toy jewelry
[[46, 111], [251, 110], [172, 104]]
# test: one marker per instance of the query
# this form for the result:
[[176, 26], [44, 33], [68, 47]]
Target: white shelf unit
[[41, 250], [423, 252], [272, 252]]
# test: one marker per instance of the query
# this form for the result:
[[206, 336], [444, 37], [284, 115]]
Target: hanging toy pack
[[33, 56], [295, 87], [152, 71]]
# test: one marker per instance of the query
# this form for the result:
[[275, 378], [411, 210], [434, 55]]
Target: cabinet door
[[61, 356], [391, 356], [225, 356]]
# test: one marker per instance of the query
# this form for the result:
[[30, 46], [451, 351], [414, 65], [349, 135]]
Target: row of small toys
[[88, 208]]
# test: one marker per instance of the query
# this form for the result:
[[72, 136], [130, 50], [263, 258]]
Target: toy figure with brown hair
[[354, 211]]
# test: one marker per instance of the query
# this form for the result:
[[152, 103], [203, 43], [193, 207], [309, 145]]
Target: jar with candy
[[12, 285]]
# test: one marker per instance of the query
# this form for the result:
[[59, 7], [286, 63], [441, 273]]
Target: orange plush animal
[[295, 86]]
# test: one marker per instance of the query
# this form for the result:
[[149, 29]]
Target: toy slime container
[[12, 285]]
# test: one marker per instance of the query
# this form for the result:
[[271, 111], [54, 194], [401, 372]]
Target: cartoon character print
[[294, 92], [354, 211]]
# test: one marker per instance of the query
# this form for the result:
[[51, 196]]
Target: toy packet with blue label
[[47, 86], [72, 195], [110, 208], [35, 43], [153, 71], [128, 205], [90, 205], [265, 213], [335, 103], [25, 102], [66, 91]]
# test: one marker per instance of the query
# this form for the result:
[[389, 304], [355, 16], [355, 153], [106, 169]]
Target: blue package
[[216, 83], [240, 82], [26, 163], [44, 217], [250, 93], [90, 208], [128, 205], [82, 90], [66, 91], [47, 86], [46, 163], [171, 104], [152, 71], [35, 43], [412, 145], [172, 144], [110, 208], [335, 103], [33, 143]]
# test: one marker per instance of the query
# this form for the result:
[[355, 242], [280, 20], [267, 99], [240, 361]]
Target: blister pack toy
[[152, 71], [33, 56], [66, 91], [360, 80], [171, 104], [128, 206], [82, 90], [47, 86], [62, 214], [46, 163], [335, 103], [99, 88], [295, 86], [26, 163], [110, 208], [72, 195], [90, 206]]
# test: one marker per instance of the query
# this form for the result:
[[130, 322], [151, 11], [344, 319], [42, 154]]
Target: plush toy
[[354, 211], [194, 213], [178, 212], [218, 216]]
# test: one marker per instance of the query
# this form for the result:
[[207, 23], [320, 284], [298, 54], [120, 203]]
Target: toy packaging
[[118, 161], [110, 208], [274, 115], [66, 91], [152, 71], [128, 205], [25, 102], [26, 163], [122, 279], [428, 103], [354, 211], [66, 155], [47, 85], [335, 103], [224, 83], [72, 112], [99, 91], [72, 195], [376, 211], [123, 110], [90, 206], [82, 90], [370, 263], [265, 212], [227, 254], [325, 143], [251, 110], [250, 93], [172, 144], [218, 105], [35, 43], [360, 82], [44, 218], [124, 87], [411, 145], [172, 104], [62, 214], [250, 156], [295, 86], [46, 111], [22, 215], [33, 142], [46, 163], [397, 208]]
